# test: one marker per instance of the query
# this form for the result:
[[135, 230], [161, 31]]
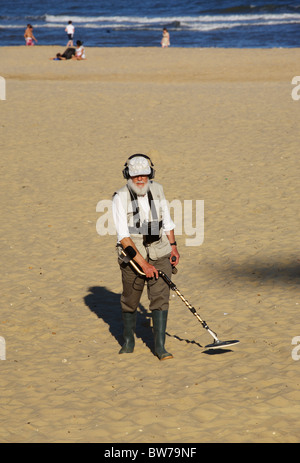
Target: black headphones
[[125, 171]]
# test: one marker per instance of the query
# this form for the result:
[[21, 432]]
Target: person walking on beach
[[70, 29], [28, 35], [144, 227], [165, 41]]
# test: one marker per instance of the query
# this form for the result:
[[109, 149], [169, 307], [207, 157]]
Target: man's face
[[140, 180]]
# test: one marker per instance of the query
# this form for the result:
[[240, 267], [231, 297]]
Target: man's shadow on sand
[[106, 305]]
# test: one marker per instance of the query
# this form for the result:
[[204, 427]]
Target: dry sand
[[221, 126]]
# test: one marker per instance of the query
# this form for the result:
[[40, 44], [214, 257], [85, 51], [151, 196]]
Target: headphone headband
[[138, 154]]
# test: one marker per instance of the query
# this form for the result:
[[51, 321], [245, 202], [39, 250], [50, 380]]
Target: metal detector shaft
[[174, 288], [189, 306]]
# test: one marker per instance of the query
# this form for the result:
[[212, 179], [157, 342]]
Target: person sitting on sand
[[67, 54], [80, 51], [28, 35], [58, 57]]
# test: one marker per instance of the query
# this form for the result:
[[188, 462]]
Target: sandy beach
[[220, 125]]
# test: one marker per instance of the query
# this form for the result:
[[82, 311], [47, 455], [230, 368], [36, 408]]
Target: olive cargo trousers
[[133, 285]]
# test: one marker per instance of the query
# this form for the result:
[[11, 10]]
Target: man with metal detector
[[146, 237]]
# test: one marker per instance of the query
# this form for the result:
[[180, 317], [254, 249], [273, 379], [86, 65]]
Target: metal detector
[[129, 254]]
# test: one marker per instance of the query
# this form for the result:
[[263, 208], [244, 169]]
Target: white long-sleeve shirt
[[120, 214]]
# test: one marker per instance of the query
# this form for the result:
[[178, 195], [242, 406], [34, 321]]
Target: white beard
[[136, 189]]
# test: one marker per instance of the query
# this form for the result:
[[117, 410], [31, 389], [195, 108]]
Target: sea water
[[131, 23]]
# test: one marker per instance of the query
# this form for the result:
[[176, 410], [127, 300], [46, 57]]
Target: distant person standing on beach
[[70, 29], [28, 35], [165, 41]]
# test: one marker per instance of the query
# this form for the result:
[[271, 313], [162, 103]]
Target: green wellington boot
[[129, 322], [159, 330]]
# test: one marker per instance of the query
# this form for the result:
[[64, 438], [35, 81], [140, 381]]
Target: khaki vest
[[159, 248]]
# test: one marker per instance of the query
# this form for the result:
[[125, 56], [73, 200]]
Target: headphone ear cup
[[152, 174], [126, 173]]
